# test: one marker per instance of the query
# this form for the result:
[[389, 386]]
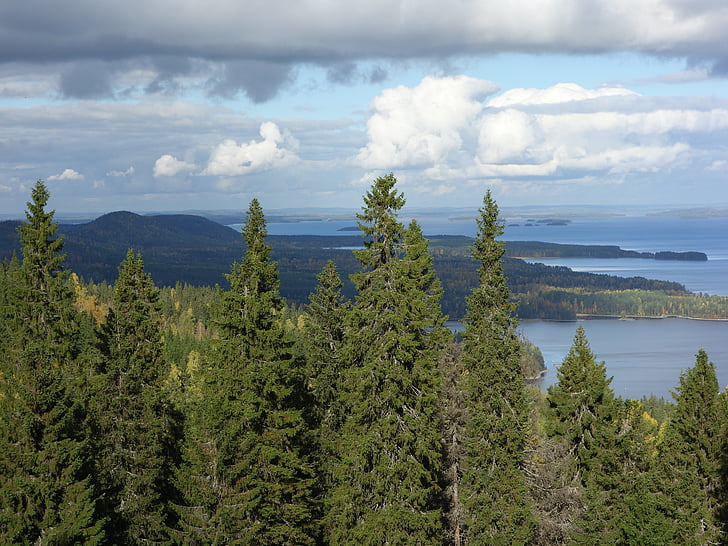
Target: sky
[[184, 105]]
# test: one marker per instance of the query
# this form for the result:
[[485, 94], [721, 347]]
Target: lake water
[[643, 356]]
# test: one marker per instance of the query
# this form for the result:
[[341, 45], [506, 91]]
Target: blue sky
[[162, 106]]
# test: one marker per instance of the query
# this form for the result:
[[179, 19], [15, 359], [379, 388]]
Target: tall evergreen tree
[[582, 406], [322, 344], [492, 479], [248, 478], [387, 470], [136, 425], [688, 465], [324, 336], [47, 495], [606, 453]]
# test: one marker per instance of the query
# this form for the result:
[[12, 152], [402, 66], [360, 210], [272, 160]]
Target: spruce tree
[[389, 457], [323, 338], [47, 495], [248, 478], [688, 466], [582, 406], [607, 455], [492, 479], [136, 424]]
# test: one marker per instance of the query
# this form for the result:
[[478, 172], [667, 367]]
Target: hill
[[192, 249]]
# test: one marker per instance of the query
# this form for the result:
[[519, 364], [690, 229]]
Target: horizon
[[303, 214]]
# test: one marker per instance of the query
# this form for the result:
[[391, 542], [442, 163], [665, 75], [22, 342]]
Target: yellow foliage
[[85, 302]]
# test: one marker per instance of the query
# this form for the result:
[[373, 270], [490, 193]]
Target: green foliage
[[388, 461], [687, 470], [247, 477], [492, 481], [46, 489], [133, 418]]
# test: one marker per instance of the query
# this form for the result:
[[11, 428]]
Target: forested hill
[[192, 249]]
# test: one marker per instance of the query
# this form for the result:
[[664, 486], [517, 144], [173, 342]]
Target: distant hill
[[192, 249], [175, 248]]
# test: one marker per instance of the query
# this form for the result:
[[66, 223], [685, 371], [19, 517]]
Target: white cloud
[[559, 93], [276, 149], [130, 171], [424, 125], [68, 174], [168, 165], [441, 127]]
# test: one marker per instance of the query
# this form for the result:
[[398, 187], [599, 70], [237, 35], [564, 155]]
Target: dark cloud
[[378, 74], [86, 80], [259, 80], [168, 69], [342, 73], [260, 46], [720, 68]]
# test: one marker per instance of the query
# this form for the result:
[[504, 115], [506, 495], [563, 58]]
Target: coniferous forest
[[139, 414]]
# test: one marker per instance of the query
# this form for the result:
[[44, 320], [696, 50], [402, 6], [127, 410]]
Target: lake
[[643, 356]]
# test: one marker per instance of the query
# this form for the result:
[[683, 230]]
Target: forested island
[[132, 413]]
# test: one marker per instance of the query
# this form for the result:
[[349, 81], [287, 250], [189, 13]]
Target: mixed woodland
[[138, 411]]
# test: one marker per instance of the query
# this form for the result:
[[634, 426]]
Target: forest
[[135, 413], [196, 251]]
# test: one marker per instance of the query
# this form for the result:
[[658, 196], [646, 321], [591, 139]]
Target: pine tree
[[248, 478], [387, 470], [47, 495], [136, 424], [492, 479]]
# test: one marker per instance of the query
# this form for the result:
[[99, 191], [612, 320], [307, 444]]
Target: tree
[[492, 479], [687, 469], [137, 428], [324, 337], [387, 470], [47, 495], [248, 478]]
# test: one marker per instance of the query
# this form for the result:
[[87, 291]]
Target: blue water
[[640, 233], [643, 356]]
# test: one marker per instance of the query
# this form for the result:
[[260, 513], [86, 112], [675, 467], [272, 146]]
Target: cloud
[[423, 125], [443, 127], [127, 172], [168, 165], [234, 47], [275, 150], [68, 174]]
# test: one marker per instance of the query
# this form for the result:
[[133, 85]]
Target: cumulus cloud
[[424, 125], [443, 127], [276, 149], [68, 174], [168, 165]]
